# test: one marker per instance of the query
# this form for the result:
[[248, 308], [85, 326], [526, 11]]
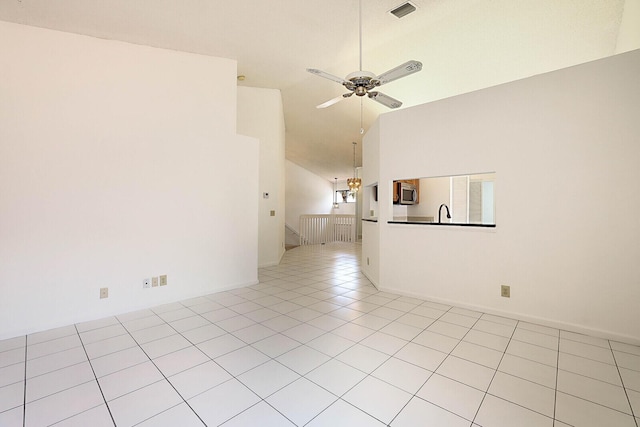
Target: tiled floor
[[314, 344]]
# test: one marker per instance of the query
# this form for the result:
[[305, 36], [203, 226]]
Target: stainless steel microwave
[[407, 193]]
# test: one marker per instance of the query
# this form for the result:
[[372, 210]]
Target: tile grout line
[[356, 384], [495, 372], [437, 367], [626, 393], [68, 388], [325, 332], [159, 370], [390, 356], [470, 328], [585, 357], [95, 376], [212, 360], [329, 391], [322, 364], [24, 391], [555, 391], [234, 376]]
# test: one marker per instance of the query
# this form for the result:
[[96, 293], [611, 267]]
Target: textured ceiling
[[464, 45]]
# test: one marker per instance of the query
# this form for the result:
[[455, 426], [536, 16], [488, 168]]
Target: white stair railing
[[315, 229]]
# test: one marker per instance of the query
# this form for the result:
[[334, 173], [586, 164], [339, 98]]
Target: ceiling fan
[[363, 82]]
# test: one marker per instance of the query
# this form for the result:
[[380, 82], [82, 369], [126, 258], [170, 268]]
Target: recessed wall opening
[[446, 200]]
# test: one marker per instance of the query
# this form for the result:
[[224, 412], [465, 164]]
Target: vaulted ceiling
[[464, 45]]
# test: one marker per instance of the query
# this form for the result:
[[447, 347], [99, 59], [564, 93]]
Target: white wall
[[370, 264], [629, 33], [260, 115], [115, 165], [565, 149], [433, 193], [306, 193]]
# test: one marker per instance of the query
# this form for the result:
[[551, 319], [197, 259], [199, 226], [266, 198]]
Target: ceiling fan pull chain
[[361, 123]]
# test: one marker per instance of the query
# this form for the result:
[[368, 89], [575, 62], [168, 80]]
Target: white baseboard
[[67, 322], [373, 282], [552, 323]]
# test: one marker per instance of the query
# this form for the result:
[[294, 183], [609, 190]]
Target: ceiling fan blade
[[400, 71], [385, 100], [326, 75], [334, 100]]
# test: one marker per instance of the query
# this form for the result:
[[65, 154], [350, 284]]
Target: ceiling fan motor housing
[[357, 75], [360, 82]]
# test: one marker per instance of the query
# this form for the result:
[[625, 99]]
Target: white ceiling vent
[[403, 10]]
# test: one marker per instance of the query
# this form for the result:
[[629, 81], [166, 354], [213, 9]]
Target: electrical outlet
[[163, 280], [146, 283], [505, 291], [154, 282], [104, 293]]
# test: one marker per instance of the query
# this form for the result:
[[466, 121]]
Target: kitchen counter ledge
[[447, 224]]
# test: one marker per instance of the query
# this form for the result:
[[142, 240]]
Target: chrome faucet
[[440, 212]]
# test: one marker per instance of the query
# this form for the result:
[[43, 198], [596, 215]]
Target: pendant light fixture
[[355, 182], [335, 194]]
